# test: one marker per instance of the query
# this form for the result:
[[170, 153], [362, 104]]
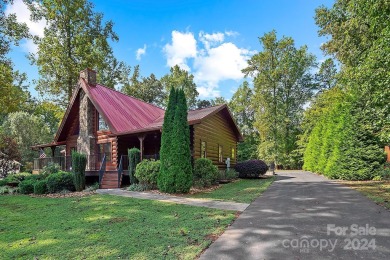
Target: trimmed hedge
[[40, 187], [27, 186], [60, 181], [205, 173], [251, 168], [147, 172], [17, 177]]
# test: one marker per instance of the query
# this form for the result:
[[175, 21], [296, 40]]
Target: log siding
[[215, 132]]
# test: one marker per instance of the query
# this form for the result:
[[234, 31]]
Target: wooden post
[[53, 148], [141, 145]]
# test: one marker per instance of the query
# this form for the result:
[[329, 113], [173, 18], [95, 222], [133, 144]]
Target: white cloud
[[182, 48], [23, 16], [29, 46], [140, 52], [211, 39], [215, 61], [231, 33]]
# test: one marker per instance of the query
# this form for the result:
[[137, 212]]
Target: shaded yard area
[[101, 226], [242, 190], [378, 191]]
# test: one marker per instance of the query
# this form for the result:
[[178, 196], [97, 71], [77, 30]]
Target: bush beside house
[[147, 172], [205, 173], [60, 181], [251, 168]]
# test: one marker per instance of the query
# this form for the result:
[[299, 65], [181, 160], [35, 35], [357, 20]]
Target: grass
[[105, 227], [243, 190], [378, 191]]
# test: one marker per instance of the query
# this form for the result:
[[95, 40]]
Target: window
[[102, 125], [220, 157], [233, 153], [203, 149]]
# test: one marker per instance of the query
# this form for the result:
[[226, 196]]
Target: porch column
[[141, 145]]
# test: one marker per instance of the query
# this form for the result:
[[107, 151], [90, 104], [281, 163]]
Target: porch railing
[[102, 170], [120, 171], [94, 162], [65, 162]]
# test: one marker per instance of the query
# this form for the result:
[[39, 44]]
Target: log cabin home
[[104, 123]]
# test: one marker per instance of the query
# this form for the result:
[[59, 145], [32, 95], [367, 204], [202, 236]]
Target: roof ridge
[[113, 89], [198, 109]]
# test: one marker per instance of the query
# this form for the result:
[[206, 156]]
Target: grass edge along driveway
[[102, 226], [242, 190], [378, 191]]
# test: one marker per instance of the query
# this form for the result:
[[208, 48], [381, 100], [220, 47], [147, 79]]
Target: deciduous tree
[[75, 38], [282, 85], [148, 89], [181, 79], [27, 130]]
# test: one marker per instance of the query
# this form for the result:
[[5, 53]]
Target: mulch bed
[[77, 194]]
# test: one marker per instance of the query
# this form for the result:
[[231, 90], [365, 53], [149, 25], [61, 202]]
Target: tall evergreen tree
[[181, 146], [165, 181]]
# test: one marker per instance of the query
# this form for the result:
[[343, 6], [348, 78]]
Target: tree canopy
[[283, 84], [181, 79], [148, 89], [75, 38]]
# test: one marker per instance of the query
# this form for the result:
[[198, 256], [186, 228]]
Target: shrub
[[3, 182], [93, 187], [17, 177], [40, 187], [35, 177], [27, 186], [139, 187], [8, 190], [231, 174], [147, 172], [79, 161], [251, 168], [50, 169], [205, 173], [59, 181], [134, 159], [4, 190]]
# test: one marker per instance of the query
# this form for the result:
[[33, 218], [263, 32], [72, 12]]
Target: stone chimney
[[89, 76]]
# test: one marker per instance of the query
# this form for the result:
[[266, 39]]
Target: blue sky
[[211, 39]]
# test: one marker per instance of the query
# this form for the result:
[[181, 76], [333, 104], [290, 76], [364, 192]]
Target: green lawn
[[378, 191], [105, 227], [243, 190]]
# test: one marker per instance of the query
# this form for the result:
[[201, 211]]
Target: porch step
[[110, 180]]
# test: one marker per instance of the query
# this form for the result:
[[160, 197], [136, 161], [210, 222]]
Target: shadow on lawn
[[106, 227]]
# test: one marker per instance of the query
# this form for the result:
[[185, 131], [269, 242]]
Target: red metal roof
[[122, 113]]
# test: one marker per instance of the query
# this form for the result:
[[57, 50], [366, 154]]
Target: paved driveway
[[305, 216]]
